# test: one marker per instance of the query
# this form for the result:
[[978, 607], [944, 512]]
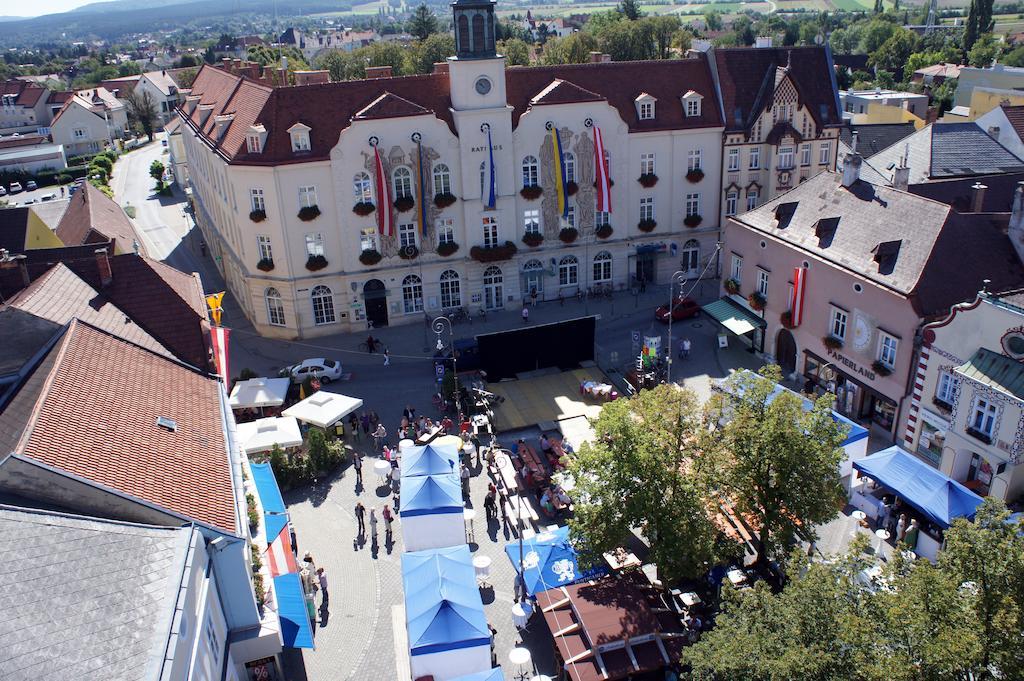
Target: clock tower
[[477, 71]]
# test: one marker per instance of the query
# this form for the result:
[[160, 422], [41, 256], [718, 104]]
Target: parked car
[[49, 197], [323, 369], [3, 190], [15, 187], [682, 308], [31, 185], [30, 202]]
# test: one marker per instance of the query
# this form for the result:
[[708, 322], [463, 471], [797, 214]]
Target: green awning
[[996, 371], [734, 317]]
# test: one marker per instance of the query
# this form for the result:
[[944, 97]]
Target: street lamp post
[[438, 326], [681, 277]]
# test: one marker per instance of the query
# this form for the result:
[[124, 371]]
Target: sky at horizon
[[39, 7]]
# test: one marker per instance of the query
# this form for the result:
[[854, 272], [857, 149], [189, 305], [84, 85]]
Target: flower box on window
[[692, 220], [307, 213], [646, 225], [832, 343], [444, 199], [447, 248], [786, 319], [265, 265], [533, 239], [404, 203], [258, 215], [732, 287], [756, 301], [942, 404], [531, 192], [603, 231], [978, 435], [611, 183], [370, 257], [363, 208], [316, 262], [571, 187], [493, 253], [648, 180], [695, 175], [568, 234], [881, 368], [408, 252]]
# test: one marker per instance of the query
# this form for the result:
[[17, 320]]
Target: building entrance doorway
[[785, 351], [375, 298]]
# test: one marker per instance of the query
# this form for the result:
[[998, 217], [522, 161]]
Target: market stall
[[323, 409], [432, 512], [262, 434], [257, 393], [448, 633], [549, 561], [432, 459]]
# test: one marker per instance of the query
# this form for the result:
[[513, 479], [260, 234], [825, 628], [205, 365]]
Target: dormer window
[[300, 138], [692, 104], [645, 107], [254, 139]]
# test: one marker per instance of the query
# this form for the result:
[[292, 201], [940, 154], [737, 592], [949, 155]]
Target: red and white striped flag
[[385, 221], [604, 185], [280, 556], [796, 305], [219, 340]]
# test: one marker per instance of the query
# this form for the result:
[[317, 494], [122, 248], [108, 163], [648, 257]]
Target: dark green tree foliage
[[423, 23]]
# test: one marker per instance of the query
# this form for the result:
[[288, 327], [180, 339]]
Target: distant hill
[[123, 6]]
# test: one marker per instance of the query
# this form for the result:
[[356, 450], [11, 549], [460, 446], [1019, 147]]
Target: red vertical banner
[[796, 305], [385, 221], [219, 340], [603, 182]]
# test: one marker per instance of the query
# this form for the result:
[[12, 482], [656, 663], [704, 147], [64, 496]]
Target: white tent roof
[[259, 392], [261, 435], [323, 408]]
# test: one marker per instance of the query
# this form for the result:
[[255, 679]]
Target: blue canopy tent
[[490, 675], [432, 512], [549, 561], [432, 459], [940, 498], [444, 614]]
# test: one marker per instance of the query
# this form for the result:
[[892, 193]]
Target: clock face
[[861, 333], [483, 85]]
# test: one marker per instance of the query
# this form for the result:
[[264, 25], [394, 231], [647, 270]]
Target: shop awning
[[936, 495], [734, 317], [323, 408], [274, 512], [291, 609]]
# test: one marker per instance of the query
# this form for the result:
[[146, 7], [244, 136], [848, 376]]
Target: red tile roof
[[1015, 115], [390, 105], [563, 92], [28, 93], [327, 108], [92, 217], [97, 418], [748, 75]]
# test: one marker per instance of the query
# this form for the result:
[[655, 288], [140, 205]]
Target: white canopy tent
[[323, 409], [259, 392], [262, 434]]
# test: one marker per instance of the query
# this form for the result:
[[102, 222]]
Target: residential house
[[161, 86], [23, 107], [30, 153], [89, 122], [862, 106], [936, 74], [94, 218], [313, 43], [1005, 124], [979, 90]]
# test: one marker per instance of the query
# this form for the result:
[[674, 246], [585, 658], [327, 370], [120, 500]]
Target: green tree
[[343, 65], [879, 7], [156, 171], [778, 462], [713, 20], [895, 52], [423, 55], [641, 473], [971, 26], [384, 53], [517, 52], [422, 23], [984, 51], [630, 9], [628, 41], [663, 28], [141, 110], [572, 49], [874, 33]]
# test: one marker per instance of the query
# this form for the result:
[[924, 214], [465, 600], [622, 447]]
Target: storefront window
[[933, 433], [884, 412]]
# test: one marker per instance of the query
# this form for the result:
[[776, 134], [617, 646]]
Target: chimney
[[103, 265], [977, 197], [993, 132], [763, 41], [311, 77], [374, 72], [1015, 230], [441, 67], [851, 168], [226, 63], [901, 176], [284, 62]]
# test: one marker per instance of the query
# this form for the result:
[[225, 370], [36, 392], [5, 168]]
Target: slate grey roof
[[869, 215], [944, 150], [82, 598], [874, 137], [868, 172]]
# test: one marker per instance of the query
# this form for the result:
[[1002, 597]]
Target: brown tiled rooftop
[[93, 217]]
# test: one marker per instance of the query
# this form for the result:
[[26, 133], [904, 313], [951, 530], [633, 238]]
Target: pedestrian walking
[[364, 420], [353, 425], [294, 540], [533, 296], [465, 481], [360, 514], [409, 413], [357, 466], [686, 349], [387, 357], [526, 314], [322, 578], [371, 344], [388, 517], [379, 435], [373, 523], [490, 503]]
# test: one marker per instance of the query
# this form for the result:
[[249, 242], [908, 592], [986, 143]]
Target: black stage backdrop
[[562, 344]]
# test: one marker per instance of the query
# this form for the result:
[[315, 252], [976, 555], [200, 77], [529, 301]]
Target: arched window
[[569, 161], [531, 175], [412, 294], [323, 305], [602, 267], [533, 279], [479, 43], [275, 308], [451, 294], [568, 271], [493, 296], [442, 179], [463, 33], [691, 256], [402, 181], [362, 188]]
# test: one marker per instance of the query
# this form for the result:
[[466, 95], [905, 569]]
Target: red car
[[682, 308]]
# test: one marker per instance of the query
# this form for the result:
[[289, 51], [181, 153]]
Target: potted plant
[[695, 175], [881, 368], [316, 262], [646, 225], [307, 213], [832, 343], [568, 234], [732, 287], [533, 239], [531, 192], [404, 203], [363, 208], [370, 257], [648, 180], [603, 231], [408, 252], [571, 187], [447, 248], [786, 319], [258, 215], [444, 199], [756, 301], [265, 265], [692, 221], [493, 253]]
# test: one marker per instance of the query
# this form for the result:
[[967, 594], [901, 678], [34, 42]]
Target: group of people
[[317, 578], [553, 500], [902, 530], [386, 514]]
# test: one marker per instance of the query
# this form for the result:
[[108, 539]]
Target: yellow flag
[[213, 300]]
